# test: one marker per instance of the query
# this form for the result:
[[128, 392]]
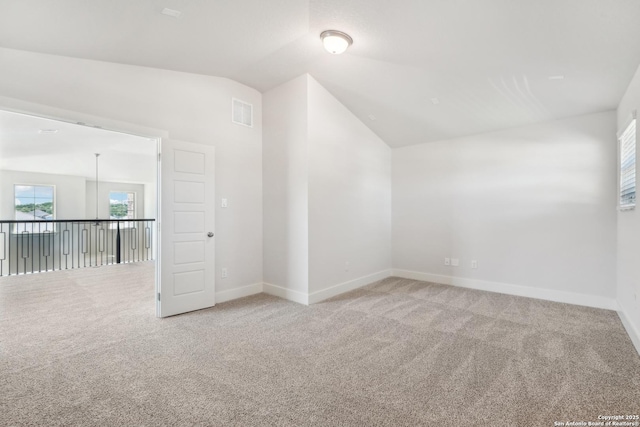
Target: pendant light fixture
[[97, 196], [335, 42]]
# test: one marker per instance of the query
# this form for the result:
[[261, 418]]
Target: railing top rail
[[54, 221]]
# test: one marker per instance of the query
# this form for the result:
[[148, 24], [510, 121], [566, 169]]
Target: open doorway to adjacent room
[[78, 208]]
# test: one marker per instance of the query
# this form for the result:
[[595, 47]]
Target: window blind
[[242, 113], [628, 166]]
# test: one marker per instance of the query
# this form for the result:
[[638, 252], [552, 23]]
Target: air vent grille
[[242, 113]]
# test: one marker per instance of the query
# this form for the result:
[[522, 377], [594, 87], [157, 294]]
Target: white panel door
[[187, 244]]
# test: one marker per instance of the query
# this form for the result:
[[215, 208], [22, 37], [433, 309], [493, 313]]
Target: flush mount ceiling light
[[335, 42]]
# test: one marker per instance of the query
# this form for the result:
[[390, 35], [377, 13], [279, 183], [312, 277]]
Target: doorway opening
[[74, 196]]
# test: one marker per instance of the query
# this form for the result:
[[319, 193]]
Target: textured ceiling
[[71, 150], [487, 61]]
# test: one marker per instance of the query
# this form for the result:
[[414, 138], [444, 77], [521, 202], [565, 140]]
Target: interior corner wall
[[285, 188], [628, 232], [190, 107], [534, 205], [327, 195], [349, 197]]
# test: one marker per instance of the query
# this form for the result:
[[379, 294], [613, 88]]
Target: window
[[34, 203], [122, 205], [628, 167], [241, 113]]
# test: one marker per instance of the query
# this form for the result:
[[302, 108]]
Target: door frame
[[17, 106]]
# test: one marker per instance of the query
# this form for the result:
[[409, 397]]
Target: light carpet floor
[[83, 348]]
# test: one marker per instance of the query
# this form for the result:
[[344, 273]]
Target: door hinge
[[158, 296]]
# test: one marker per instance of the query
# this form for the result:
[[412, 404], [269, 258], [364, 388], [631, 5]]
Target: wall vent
[[241, 113]]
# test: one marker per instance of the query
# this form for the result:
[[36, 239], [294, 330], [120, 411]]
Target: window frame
[[52, 228], [631, 123], [135, 204]]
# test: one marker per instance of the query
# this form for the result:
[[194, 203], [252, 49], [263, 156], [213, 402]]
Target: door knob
[[210, 234]]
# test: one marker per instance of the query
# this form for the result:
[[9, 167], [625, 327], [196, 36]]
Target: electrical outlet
[[224, 203], [474, 263], [447, 261], [455, 262], [225, 273]]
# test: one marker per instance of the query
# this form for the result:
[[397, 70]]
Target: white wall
[[628, 231], [285, 181], [349, 195], [104, 188], [150, 202], [189, 107], [327, 195], [534, 205], [69, 192]]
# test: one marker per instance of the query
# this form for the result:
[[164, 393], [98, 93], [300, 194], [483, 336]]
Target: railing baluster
[[3, 258], [118, 246], [129, 245], [65, 245], [52, 245], [40, 248], [60, 251], [77, 224], [102, 245], [5, 248], [24, 256], [17, 252], [47, 248], [126, 246], [32, 249], [92, 243], [134, 242], [83, 246], [147, 231], [73, 245], [108, 238]]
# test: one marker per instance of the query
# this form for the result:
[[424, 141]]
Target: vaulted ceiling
[[418, 70]]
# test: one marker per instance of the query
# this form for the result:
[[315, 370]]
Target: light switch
[[224, 203]]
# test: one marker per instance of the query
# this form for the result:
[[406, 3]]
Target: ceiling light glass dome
[[335, 42]]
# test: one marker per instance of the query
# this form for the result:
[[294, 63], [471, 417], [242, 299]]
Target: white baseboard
[[632, 331], [245, 291], [347, 286], [307, 299], [505, 288], [284, 293]]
